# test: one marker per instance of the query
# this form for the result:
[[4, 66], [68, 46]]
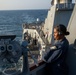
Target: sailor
[[55, 58]]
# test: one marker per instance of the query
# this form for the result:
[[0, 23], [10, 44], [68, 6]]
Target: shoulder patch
[[53, 47]]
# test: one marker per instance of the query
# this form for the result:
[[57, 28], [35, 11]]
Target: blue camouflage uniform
[[56, 58]]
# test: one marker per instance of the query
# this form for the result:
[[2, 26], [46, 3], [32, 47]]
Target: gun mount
[[13, 56]]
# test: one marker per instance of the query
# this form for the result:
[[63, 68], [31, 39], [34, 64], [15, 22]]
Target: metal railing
[[65, 6]]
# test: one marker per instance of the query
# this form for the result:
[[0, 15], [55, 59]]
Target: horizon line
[[21, 9]]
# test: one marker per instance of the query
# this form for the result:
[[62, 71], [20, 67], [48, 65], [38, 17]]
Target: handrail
[[33, 66], [66, 6]]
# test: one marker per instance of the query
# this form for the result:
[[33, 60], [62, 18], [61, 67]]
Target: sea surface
[[11, 20]]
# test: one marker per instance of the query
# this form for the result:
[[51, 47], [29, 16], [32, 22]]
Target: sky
[[24, 4]]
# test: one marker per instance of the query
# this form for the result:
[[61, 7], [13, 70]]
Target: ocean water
[[11, 21]]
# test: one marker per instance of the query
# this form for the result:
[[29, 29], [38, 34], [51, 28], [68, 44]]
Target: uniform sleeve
[[53, 54], [56, 54]]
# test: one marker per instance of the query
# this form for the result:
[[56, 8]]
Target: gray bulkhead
[[71, 60]]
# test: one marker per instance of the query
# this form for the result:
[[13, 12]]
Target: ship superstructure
[[59, 13]]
